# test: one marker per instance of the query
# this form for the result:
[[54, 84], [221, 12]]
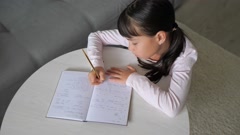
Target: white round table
[[26, 114]]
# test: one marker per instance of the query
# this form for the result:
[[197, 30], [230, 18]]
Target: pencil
[[91, 64]]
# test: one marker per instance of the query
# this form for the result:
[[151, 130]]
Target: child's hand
[[93, 77], [120, 75]]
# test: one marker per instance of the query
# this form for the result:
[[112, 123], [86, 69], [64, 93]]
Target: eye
[[134, 43]]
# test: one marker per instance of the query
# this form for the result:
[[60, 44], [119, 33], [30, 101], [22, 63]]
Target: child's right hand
[[93, 77]]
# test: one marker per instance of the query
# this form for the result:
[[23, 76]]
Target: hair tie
[[175, 26]]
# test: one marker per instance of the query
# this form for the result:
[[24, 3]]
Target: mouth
[[136, 55]]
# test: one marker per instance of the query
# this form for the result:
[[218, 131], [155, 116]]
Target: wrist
[[130, 78]]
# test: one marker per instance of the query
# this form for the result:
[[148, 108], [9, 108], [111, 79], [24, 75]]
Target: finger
[[113, 74], [102, 76], [115, 80], [131, 68], [92, 77], [96, 83], [107, 73], [115, 70]]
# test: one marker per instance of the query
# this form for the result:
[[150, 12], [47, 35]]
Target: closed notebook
[[76, 99]]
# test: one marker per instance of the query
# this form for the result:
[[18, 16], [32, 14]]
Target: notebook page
[[110, 103], [72, 97]]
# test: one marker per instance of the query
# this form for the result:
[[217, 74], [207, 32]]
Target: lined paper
[[72, 96], [111, 102]]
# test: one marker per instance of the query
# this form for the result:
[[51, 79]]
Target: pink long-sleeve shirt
[[169, 95]]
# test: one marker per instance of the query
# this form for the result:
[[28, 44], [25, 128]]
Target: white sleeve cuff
[[131, 78], [97, 63]]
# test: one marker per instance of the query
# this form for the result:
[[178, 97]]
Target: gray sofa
[[33, 32]]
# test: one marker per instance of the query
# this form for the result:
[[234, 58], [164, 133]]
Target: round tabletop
[[26, 114]]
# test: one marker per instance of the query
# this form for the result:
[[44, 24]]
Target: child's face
[[144, 47]]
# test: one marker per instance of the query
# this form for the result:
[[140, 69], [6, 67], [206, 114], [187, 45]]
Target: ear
[[161, 37]]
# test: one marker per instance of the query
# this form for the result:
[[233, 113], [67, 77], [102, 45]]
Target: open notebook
[[76, 99]]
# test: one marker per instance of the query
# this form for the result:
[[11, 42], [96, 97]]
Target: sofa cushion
[[176, 3], [15, 62], [3, 29], [105, 12], [13, 11], [54, 29], [16, 67], [57, 27]]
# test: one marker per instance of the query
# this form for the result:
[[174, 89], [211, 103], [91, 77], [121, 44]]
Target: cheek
[[143, 51], [148, 50]]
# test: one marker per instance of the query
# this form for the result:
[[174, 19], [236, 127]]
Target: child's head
[[146, 17], [150, 27], [146, 22]]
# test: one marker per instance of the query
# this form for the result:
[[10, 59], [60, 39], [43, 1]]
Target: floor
[[217, 20]]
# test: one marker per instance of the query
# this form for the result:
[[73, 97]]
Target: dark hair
[[152, 16]]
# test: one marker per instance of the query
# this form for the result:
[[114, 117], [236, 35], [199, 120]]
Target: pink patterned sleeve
[[96, 40], [170, 94]]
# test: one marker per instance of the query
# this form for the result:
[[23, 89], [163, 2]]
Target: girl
[[149, 30]]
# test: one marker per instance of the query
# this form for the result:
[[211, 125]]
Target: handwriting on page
[[72, 97], [111, 102]]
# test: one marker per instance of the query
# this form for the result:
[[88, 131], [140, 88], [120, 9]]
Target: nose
[[131, 47]]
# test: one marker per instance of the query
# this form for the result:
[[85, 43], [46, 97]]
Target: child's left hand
[[120, 75]]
